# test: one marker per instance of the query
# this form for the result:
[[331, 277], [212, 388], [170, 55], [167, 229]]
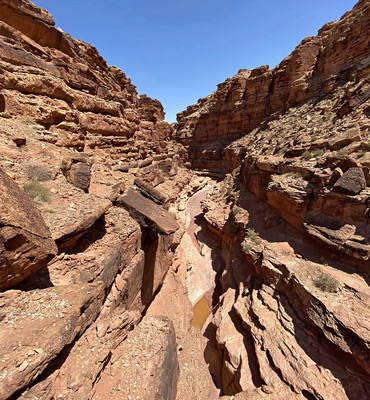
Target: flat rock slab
[[35, 326], [72, 216], [25, 241], [148, 213], [144, 366], [148, 191], [85, 362]]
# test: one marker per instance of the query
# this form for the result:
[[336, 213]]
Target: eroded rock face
[[68, 88], [25, 241], [144, 366], [290, 225], [63, 312], [316, 69], [276, 325], [79, 122]]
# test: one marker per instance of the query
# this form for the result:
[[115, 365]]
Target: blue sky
[[178, 51]]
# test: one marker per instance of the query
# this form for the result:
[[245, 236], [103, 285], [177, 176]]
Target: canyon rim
[[224, 256]]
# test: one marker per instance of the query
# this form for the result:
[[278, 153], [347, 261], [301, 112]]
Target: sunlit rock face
[[318, 68]]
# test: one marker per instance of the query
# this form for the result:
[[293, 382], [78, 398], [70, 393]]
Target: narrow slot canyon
[[224, 256], [186, 296]]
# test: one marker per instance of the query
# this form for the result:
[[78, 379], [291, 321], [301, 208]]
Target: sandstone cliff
[[91, 250], [292, 218], [334, 65]]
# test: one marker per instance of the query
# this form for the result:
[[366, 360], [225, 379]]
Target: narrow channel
[[201, 265], [186, 297]]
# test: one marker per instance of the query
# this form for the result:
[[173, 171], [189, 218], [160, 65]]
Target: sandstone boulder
[[340, 161], [145, 366], [352, 182], [77, 170], [147, 212], [25, 241]]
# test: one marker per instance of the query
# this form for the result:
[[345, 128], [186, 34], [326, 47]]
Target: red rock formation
[[67, 87], [71, 124], [25, 241], [315, 69], [275, 330], [287, 233]]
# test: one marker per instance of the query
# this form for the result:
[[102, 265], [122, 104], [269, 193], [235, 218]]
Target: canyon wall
[[316, 69], [91, 265], [81, 263], [66, 87], [291, 214]]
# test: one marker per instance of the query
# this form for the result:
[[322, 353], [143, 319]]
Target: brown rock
[[147, 190], [143, 366], [25, 241], [353, 181], [38, 325], [77, 170], [147, 212], [365, 159], [85, 362], [353, 135]]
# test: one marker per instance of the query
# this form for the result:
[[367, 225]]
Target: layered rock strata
[[90, 306], [275, 328], [79, 102], [76, 136], [332, 65], [292, 217]]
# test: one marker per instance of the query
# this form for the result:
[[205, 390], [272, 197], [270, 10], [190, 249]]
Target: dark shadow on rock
[[39, 280], [210, 239], [302, 244], [81, 241], [149, 246]]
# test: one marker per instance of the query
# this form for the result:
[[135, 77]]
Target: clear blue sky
[[178, 51]]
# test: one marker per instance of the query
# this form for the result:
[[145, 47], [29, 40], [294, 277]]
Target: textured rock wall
[[274, 330], [75, 131], [315, 69], [64, 85]]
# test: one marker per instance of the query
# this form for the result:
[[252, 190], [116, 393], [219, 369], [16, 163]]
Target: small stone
[[23, 366]]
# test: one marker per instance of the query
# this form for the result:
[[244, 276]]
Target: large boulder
[[145, 366], [36, 325], [25, 241], [148, 213], [77, 171], [352, 182]]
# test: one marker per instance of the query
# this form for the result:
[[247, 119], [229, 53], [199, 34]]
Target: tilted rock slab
[[35, 326], [25, 241], [144, 366], [147, 212]]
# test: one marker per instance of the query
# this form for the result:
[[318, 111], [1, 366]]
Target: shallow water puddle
[[200, 313]]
